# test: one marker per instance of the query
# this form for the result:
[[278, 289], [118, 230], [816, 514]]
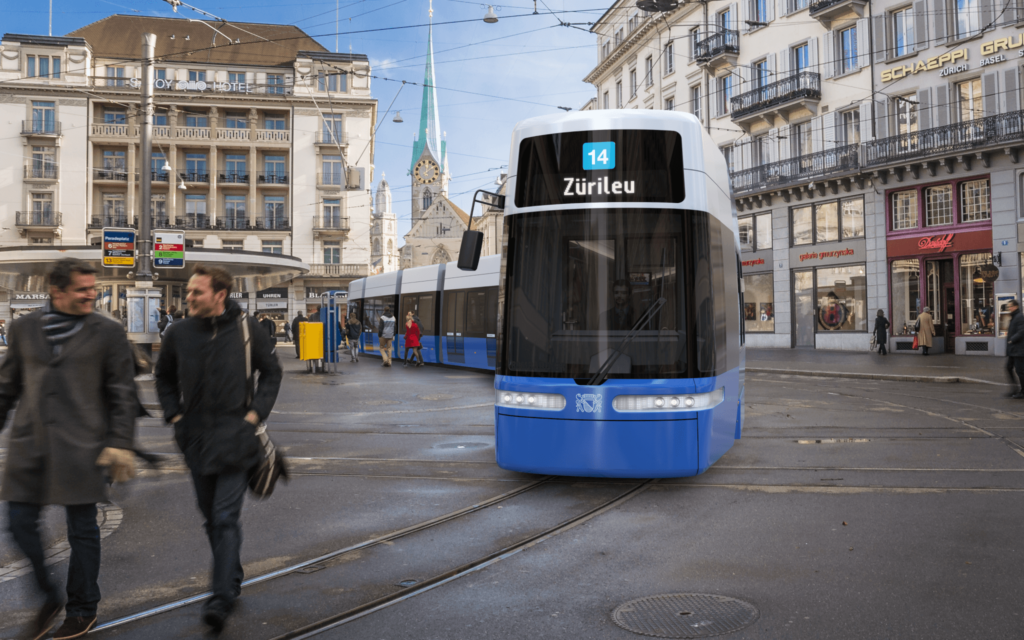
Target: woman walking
[[925, 331], [881, 324], [353, 330], [412, 339]]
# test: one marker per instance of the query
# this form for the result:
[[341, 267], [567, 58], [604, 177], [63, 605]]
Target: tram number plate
[[598, 155]]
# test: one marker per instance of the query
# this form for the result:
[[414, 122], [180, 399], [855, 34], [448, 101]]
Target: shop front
[[829, 299], [939, 251], [758, 299], [273, 303]]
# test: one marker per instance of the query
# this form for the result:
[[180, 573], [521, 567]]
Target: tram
[[617, 335]]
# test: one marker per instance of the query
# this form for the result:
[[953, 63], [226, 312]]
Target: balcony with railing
[[332, 137], [110, 220], [234, 222], [825, 11], [192, 133], [801, 90], [273, 223], [112, 174], [273, 135], [233, 134], [40, 127], [328, 224], [37, 219], [1005, 128], [234, 177], [775, 175], [718, 49], [159, 176], [338, 271], [41, 172], [113, 130], [275, 178], [195, 177]]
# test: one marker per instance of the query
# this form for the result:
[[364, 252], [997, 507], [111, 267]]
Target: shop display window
[[842, 296], [746, 226], [759, 303], [756, 232], [906, 295], [977, 297]]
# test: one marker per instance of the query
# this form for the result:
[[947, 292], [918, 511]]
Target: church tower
[[383, 232], [429, 168]]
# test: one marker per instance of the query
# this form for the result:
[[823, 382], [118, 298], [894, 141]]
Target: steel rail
[[427, 524]]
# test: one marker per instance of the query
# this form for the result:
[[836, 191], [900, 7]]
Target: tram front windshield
[[591, 288]]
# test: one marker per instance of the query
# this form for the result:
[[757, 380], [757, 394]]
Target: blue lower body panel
[[475, 353], [428, 348]]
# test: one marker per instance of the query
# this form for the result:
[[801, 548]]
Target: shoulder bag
[[272, 464]]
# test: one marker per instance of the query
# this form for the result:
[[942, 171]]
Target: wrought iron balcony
[[41, 172], [195, 177], [273, 223], [118, 174], [331, 223], [234, 177], [273, 178], [114, 220], [774, 175], [45, 218], [40, 128], [781, 96], [194, 221], [724, 43], [159, 176], [991, 130], [233, 223], [825, 11]]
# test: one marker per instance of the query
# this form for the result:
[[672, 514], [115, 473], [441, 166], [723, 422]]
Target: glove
[[121, 463]]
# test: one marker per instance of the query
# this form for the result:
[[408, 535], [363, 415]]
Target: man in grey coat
[[71, 374]]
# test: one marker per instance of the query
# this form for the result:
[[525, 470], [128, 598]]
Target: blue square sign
[[598, 155]]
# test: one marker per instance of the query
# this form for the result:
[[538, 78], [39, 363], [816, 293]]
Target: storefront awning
[[25, 268]]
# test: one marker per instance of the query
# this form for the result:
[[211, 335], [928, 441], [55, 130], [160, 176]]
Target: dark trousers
[[881, 347], [1018, 367], [84, 569], [220, 500]]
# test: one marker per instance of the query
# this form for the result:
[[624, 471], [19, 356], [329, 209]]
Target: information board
[[119, 248], [169, 249]]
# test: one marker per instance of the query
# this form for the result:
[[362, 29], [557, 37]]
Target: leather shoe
[[74, 627], [1018, 396], [46, 619], [215, 614]]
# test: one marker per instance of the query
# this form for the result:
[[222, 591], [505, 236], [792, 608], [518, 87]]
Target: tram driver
[[620, 317]]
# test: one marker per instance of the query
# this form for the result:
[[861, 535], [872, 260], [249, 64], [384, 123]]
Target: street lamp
[[490, 17], [398, 117]]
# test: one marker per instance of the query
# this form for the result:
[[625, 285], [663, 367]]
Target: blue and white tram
[[619, 342]]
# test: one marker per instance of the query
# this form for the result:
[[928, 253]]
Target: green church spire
[[429, 134]]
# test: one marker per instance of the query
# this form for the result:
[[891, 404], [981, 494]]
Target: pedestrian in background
[[881, 325], [354, 330], [269, 326], [205, 393], [386, 327], [412, 338], [299, 319], [3, 331], [1015, 346], [71, 375], [287, 332], [925, 330]]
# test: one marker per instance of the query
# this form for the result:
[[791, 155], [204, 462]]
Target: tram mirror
[[469, 253]]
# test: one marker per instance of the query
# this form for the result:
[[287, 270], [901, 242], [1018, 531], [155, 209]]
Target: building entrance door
[[942, 300], [803, 309]]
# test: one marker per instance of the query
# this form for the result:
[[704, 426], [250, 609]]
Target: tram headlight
[[547, 401], [681, 402]]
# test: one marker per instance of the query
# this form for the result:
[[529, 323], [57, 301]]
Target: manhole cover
[[437, 396], [685, 615], [381, 402], [462, 445]]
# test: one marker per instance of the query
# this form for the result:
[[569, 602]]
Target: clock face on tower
[[426, 171]]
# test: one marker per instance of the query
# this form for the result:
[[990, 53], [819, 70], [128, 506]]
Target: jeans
[[220, 500], [84, 569], [385, 349]]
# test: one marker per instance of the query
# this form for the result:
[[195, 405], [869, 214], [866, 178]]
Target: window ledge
[[847, 74], [905, 56]]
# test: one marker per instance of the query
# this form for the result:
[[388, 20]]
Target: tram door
[[942, 300]]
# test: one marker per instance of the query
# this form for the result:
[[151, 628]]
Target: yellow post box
[[311, 341]]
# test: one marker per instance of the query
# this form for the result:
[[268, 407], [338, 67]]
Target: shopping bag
[[914, 346]]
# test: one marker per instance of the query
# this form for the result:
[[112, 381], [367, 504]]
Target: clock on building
[[426, 171]]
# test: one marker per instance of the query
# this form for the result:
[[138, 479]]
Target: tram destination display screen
[[582, 167]]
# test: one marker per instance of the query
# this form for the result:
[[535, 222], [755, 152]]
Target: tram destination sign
[[584, 167], [119, 248], [169, 249]]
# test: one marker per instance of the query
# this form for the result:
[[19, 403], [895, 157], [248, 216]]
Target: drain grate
[[685, 615]]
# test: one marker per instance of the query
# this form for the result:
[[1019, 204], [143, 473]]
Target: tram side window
[[708, 278], [476, 312], [422, 306], [373, 309]]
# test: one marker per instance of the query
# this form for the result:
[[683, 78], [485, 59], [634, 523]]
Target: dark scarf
[[60, 327]]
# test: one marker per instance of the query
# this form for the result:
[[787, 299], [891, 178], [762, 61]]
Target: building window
[[232, 245], [195, 167], [274, 123], [607, 104], [618, 94], [44, 117], [848, 60], [114, 117], [695, 102], [797, 5], [234, 168], [160, 120], [42, 203], [332, 252], [801, 139], [273, 213], [197, 76], [195, 212], [801, 58], [331, 170], [746, 227], [634, 20], [115, 72], [158, 205], [43, 163], [235, 216], [605, 49], [904, 210], [649, 71], [236, 121], [822, 222], [275, 83], [331, 82], [969, 96], [724, 94], [114, 166], [938, 205], [902, 32], [842, 298], [974, 201], [428, 199], [759, 11], [273, 168], [850, 127], [977, 297], [670, 58], [44, 67], [196, 120], [236, 78], [332, 214], [618, 37], [632, 83], [670, 104], [727, 154], [760, 73], [759, 303], [160, 74], [694, 42], [906, 295], [273, 246], [968, 17], [30, 66], [113, 210], [333, 128]]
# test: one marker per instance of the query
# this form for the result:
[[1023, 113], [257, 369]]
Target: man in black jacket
[[1015, 344], [206, 392], [299, 319]]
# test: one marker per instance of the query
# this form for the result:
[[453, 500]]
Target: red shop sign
[[941, 243]]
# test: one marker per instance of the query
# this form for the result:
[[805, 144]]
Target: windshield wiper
[[605, 369]]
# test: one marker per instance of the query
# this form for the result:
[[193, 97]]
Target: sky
[[488, 76]]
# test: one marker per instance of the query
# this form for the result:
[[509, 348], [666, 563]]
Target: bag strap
[[244, 320]]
